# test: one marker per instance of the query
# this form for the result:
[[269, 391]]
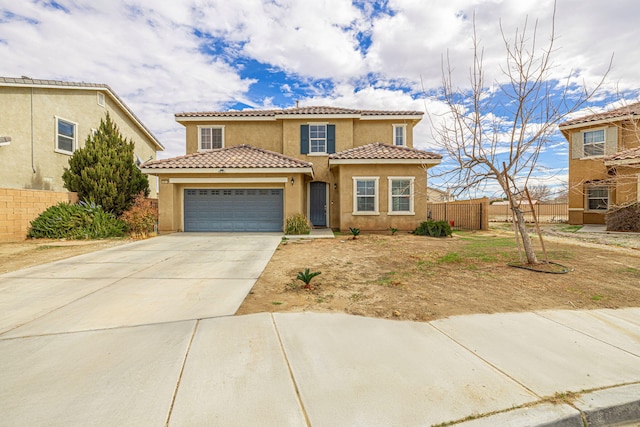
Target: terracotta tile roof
[[378, 150], [239, 156], [312, 110], [627, 110], [630, 154], [29, 82]]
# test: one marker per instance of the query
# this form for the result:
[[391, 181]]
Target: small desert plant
[[297, 224], [433, 229], [77, 221], [306, 276], [355, 232], [393, 230], [141, 217]]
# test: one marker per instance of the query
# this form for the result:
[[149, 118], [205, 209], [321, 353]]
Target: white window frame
[[587, 198], [603, 142], [326, 148], [74, 139], [376, 196], [100, 99], [200, 128], [411, 180], [403, 127]]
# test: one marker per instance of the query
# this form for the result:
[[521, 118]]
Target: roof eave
[[219, 170], [181, 119], [432, 162], [597, 122]]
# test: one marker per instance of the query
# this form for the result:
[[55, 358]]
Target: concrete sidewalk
[[298, 369]]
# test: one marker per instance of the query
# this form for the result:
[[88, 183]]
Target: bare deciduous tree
[[496, 132]]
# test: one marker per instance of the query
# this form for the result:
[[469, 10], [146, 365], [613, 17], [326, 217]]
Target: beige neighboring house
[[250, 170], [604, 163], [435, 195], [42, 122]]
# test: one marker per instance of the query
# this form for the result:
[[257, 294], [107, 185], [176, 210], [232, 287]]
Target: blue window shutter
[[331, 139], [304, 139]]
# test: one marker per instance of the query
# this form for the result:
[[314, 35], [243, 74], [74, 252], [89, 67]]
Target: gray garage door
[[233, 210]]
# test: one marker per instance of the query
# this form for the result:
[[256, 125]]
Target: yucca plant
[[355, 232], [306, 276]]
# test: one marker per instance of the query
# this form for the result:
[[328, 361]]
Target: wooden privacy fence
[[545, 212], [462, 215]]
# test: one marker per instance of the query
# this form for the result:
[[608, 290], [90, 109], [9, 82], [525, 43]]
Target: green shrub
[[433, 229], [141, 218], [79, 221], [104, 170], [297, 224]]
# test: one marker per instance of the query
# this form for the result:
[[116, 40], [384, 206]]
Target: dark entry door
[[318, 204]]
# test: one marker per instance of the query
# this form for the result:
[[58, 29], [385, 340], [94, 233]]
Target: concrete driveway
[[169, 278]]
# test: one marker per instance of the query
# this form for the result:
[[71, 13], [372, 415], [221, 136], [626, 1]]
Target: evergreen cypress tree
[[104, 171]]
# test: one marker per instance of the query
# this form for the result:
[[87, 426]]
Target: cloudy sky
[[164, 56]]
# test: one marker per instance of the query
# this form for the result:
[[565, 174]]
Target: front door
[[318, 204]]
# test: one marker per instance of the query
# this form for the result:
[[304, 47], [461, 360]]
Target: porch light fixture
[[292, 181], [335, 185]]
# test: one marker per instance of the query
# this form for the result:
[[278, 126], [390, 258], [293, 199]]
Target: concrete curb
[[612, 406]]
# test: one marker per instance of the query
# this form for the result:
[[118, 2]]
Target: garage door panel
[[233, 210]]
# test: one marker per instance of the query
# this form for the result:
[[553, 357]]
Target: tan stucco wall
[[78, 106], [368, 131], [383, 220], [262, 134]]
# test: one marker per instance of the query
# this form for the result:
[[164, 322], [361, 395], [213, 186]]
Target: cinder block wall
[[19, 207]]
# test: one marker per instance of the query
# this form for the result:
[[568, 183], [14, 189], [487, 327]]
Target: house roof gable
[[236, 157], [627, 111], [58, 84]]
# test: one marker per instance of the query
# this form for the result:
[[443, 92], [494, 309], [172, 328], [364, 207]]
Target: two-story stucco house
[[604, 163], [42, 122], [250, 170]]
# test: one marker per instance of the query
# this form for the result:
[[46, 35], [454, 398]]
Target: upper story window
[[66, 136], [101, 99], [593, 142], [400, 135], [365, 195], [210, 137], [317, 138]]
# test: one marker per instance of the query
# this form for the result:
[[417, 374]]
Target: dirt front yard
[[17, 255], [421, 278]]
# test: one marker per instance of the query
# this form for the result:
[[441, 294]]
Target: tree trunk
[[526, 241]]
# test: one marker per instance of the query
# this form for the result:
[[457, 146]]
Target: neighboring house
[[45, 121], [604, 162], [250, 170], [435, 195]]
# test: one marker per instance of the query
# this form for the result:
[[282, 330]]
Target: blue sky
[[164, 57]]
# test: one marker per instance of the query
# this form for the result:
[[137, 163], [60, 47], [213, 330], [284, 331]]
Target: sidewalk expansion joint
[[506, 374], [588, 335], [184, 362], [293, 379]]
